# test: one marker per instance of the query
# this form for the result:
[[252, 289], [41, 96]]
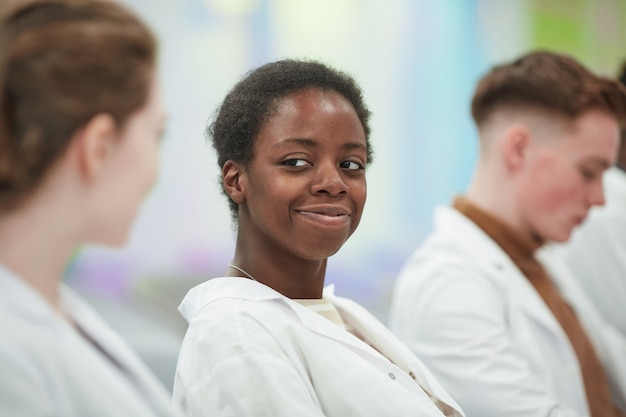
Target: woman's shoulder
[[29, 328], [30, 357], [229, 296], [25, 337], [235, 309]]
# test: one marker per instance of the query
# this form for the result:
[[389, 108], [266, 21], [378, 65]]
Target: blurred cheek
[[154, 170], [558, 194], [553, 186], [146, 162]]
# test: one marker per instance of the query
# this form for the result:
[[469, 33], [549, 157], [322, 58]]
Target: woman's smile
[[326, 215]]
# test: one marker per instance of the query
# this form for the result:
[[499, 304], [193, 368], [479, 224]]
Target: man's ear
[[234, 181], [514, 146], [94, 143]]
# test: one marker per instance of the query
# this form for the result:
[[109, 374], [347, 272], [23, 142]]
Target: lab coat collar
[[91, 323], [472, 242], [214, 289], [19, 298], [231, 287], [245, 289]]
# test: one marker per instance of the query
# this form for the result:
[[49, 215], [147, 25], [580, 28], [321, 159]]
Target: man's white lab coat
[[464, 307]]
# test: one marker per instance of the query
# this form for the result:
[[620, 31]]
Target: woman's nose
[[329, 181]]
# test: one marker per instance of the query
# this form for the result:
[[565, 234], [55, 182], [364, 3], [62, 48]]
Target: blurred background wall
[[417, 62]]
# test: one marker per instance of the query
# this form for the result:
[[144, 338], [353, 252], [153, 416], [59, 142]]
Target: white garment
[[250, 351], [469, 313], [48, 369], [596, 253]]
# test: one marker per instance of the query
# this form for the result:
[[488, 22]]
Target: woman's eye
[[351, 165], [588, 174], [296, 162]]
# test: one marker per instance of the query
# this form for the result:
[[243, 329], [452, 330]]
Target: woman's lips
[[328, 216]]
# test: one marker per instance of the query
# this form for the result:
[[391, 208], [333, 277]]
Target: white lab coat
[[48, 369], [469, 313], [250, 351], [596, 253]]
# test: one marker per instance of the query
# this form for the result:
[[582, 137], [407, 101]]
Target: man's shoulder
[[448, 261], [441, 251]]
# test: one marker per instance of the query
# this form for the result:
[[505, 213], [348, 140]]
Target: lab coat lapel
[[198, 297], [392, 349], [318, 324], [88, 367], [497, 265], [373, 331], [118, 349]]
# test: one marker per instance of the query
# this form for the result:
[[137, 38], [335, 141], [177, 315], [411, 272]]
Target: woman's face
[[131, 171], [304, 190]]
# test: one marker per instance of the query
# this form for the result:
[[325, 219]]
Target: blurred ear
[[95, 142], [234, 181], [514, 146]]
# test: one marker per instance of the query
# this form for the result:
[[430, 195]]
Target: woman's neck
[[292, 277], [36, 246]]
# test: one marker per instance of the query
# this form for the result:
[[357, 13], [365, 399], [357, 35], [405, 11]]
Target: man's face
[[563, 176]]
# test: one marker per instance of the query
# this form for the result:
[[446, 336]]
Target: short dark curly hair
[[253, 100]]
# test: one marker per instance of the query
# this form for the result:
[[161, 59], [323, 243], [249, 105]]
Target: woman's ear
[[94, 143], [234, 181], [514, 146]]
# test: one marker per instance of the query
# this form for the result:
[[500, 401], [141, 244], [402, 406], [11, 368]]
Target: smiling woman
[[267, 338], [302, 194]]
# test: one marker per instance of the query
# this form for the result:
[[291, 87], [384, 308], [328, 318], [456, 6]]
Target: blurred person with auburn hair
[[596, 252], [80, 125], [483, 301]]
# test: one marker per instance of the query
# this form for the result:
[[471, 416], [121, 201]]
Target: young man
[[506, 329], [596, 251]]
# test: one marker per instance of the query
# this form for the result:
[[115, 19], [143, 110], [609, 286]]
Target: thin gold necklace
[[243, 271]]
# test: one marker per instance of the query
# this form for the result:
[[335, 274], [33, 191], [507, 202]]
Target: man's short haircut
[[547, 81]]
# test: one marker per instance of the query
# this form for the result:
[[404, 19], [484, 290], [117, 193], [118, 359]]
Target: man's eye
[[588, 174]]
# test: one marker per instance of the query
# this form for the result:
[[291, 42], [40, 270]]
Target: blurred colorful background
[[417, 62]]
